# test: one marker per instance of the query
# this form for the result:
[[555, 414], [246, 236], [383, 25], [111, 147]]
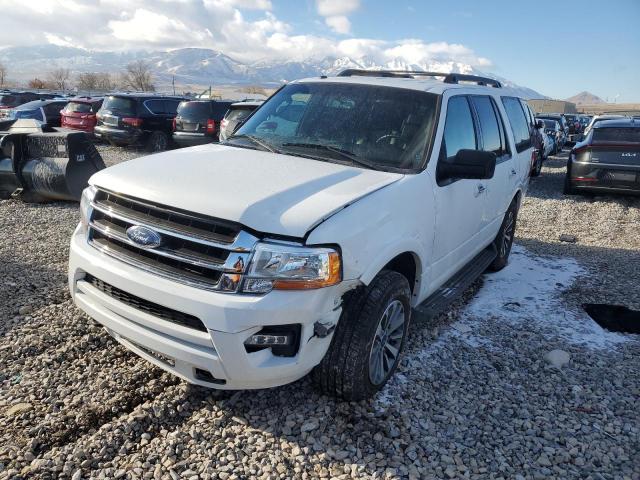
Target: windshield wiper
[[257, 141], [352, 157]]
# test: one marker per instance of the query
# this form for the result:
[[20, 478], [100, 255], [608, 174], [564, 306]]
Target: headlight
[[88, 194], [285, 267]]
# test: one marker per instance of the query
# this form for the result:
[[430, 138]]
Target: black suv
[[137, 119], [198, 122]]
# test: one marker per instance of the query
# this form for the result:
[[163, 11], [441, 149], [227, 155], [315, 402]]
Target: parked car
[[304, 242], [10, 100], [608, 160], [137, 119], [548, 143], [553, 132], [80, 113], [595, 120], [45, 111], [237, 113], [198, 122], [564, 127]]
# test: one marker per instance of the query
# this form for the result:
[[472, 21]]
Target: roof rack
[[452, 78]]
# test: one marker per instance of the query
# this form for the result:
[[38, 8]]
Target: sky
[[558, 48]]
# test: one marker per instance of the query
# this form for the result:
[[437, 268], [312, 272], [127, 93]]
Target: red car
[[80, 113]]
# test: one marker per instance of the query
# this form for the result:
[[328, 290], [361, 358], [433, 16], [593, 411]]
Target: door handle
[[480, 190], [512, 172]]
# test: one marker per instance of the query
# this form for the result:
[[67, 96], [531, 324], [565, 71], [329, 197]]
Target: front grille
[[197, 250], [146, 306]]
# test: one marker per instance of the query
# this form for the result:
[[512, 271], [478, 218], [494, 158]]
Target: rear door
[[522, 148], [505, 179], [459, 202]]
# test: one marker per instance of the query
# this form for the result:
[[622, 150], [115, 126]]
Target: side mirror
[[469, 164]]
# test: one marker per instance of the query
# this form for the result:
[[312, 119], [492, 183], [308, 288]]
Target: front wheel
[[504, 240], [537, 167], [366, 346]]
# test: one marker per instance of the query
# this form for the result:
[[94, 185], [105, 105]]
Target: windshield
[[379, 127], [120, 105], [35, 114], [194, 109]]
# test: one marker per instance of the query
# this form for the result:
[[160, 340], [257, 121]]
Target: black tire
[[157, 142], [345, 372], [504, 240]]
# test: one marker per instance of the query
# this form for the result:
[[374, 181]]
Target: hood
[[268, 192]]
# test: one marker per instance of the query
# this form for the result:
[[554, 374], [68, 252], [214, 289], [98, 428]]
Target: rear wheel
[[157, 142], [504, 240], [537, 167], [366, 346]]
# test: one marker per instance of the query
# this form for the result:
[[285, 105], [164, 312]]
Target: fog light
[[283, 340], [268, 340]]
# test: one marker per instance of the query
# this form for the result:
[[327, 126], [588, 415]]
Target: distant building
[[545, 105]]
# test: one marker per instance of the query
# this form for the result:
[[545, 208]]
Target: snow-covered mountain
[[203, 66]]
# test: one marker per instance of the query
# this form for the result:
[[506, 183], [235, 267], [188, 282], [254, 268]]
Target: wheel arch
[[407, 263]]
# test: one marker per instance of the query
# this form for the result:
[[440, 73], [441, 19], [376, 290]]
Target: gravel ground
[[473, 398]]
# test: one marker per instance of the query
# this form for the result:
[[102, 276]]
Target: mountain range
[[203, 66]]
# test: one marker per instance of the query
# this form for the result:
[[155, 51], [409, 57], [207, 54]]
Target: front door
[[459, 202]]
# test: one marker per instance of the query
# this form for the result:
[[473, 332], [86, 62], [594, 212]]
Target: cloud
[[335, 13], [217, 24]]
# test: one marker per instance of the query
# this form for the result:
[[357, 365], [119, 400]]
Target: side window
[[171, 107], [459, 131], [519, 123], [492, 136]]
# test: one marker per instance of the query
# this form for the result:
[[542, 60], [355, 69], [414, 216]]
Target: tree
[[138, 76], [3, 74], [38, 84], [59, 78], [87, 81], [105, 82]]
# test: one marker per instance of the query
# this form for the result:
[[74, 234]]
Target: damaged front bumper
[[136, 308]]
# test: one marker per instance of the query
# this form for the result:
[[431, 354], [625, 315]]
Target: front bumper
[[229, 319]]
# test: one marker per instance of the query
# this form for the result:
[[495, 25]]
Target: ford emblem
[[143, 236]]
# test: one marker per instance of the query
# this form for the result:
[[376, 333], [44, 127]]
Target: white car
[[288, 250]]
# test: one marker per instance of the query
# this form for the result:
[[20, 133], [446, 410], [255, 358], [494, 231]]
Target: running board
[[456, 285]]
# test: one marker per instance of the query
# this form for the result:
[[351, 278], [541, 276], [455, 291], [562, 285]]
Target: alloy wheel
[[507, 235], [387, 342]]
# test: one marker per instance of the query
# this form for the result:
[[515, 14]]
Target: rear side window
[[120, 105], [490, 126], [219, 109], [519, 123], [459, 131], [617, 135]]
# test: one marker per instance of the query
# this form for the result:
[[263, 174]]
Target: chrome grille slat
[[192, 260]]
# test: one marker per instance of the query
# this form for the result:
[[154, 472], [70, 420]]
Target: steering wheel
[[390, 135]]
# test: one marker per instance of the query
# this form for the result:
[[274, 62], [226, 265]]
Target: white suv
[[304, 242]]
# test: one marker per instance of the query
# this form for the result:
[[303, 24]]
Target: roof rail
[[453, 78]]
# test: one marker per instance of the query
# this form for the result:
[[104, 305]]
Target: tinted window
[[491, 141], [35, 113], [519, 123], [387, 126], [54, 108], [219, 109], [155, 106], [194, 109], [551, 124], [8, 100], [459, 132], [170, 107], [612, 134], [122, 105]]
